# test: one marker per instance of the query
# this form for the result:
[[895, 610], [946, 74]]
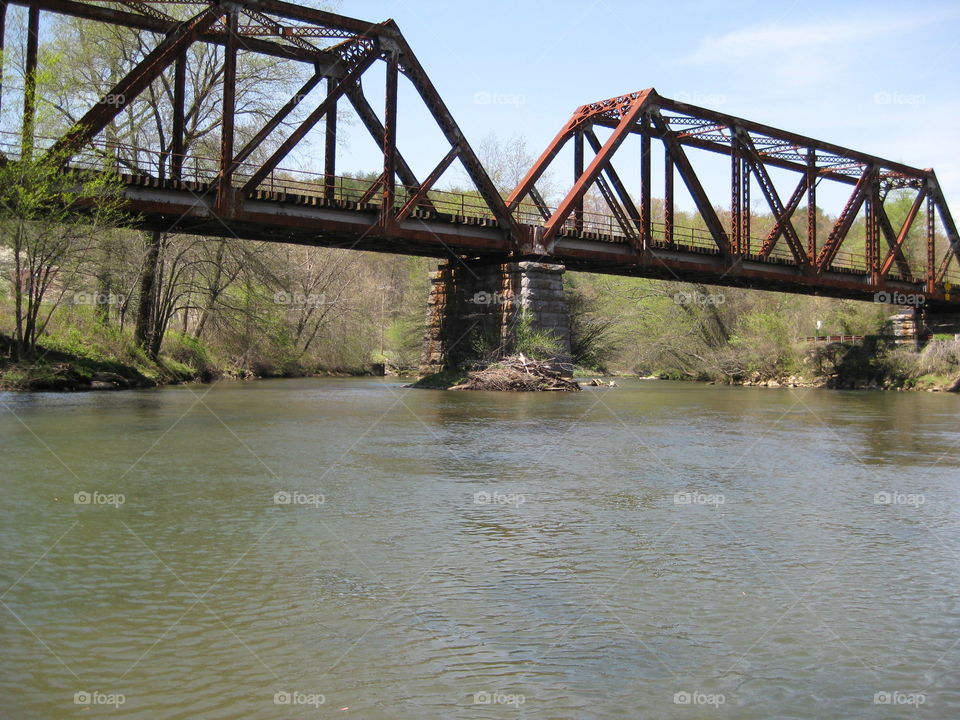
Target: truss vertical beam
[[812, 204], [736, 185], [390, 144], [872, 232], [312, 119], [135, 82], [692, 182], [645, 181], [178, 140], [931, 274], [329, 149], [577, 172], [745, 248], [668, 196], [228, 112]]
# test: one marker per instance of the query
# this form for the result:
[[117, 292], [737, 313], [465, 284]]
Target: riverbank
[[89, 367], [84, 366]]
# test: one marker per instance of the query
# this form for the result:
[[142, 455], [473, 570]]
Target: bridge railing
[[147, 162], [699, 239]]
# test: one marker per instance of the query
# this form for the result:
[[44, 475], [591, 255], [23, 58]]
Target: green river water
[[340, 548]]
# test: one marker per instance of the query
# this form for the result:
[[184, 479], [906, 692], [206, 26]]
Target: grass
[[440, 380], [57, 369]]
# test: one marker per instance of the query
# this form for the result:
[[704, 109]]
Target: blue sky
[[879, 77]]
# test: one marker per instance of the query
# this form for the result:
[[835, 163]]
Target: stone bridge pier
[[475, 310], [940, 323]]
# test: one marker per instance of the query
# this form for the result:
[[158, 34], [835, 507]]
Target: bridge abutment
[[916, 327], [479, 310]]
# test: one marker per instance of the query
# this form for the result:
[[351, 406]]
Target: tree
[[93, 57], [50, 220]]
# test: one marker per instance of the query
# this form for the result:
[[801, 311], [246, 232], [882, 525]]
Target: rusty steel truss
[[244, 191], [807, 264], [280, 30]]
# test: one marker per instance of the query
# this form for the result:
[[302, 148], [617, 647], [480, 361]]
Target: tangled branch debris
[[518, 374]]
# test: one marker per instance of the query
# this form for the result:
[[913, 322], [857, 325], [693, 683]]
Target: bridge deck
[[292, 211]]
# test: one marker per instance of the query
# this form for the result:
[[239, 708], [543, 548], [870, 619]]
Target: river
[[350, 548]]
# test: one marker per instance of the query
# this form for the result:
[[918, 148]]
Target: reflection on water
[[655, 550]]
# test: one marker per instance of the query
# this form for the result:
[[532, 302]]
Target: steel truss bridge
[[244, 191]]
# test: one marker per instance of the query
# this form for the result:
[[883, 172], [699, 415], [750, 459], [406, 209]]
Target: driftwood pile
[[518, 374]]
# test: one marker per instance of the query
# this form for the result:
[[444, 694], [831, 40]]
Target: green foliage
[[537, 344], [764, 340], [876, 361], [404, 341], [441, 380], [48, 222], [190, 356], [593, 335]]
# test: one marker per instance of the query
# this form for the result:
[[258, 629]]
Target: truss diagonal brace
[[371, 191], [278, 118], [527, 185], [600, 161], [845, 221], [451, 131], [421, 192], [792, 204], [773, 199], [949, 227], [895, 241], [619, 214], [322, 109], [370, 120], [135, 82], [682, 163], [540, 203], [628, 205]]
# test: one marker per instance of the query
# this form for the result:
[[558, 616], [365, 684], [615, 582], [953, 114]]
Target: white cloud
[[753, 43]]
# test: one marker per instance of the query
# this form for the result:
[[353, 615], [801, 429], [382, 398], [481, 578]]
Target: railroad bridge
[[507, 251]]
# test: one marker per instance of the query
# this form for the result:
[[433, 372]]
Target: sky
[[880, 77]]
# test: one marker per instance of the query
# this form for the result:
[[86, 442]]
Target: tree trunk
[[104, 283], [212, 295], [18, 348], [146, 331]]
